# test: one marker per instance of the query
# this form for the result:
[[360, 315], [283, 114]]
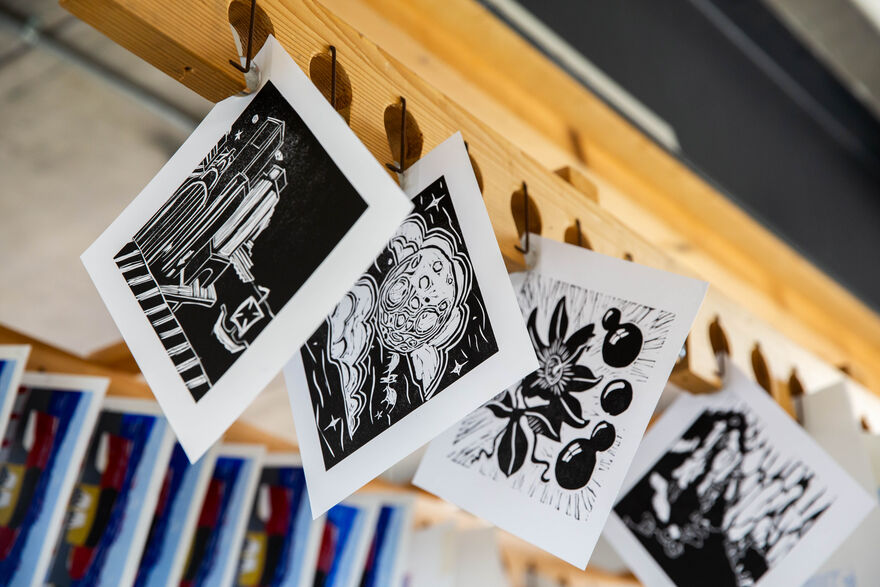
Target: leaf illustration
[[542, 423], [571, 411], [559, 321], [499, 409], [577, 342], [513, 448]]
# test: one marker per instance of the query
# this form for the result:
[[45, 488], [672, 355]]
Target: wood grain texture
[[164, 33], [662, 199]]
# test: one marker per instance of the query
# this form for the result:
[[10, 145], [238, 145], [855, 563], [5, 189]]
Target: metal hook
[[580, 238], [525, 191], [250, 43], [400, 167], [333, 76]]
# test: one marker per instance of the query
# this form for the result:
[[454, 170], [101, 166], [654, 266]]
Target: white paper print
[[871, 442], [429, 332], [828, 417], [233, 254], [727, 489], [545, 458], [13, 359]]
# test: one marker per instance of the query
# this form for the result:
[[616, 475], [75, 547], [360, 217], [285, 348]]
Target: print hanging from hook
[[543, 458], [231, 256], [727, 489], [430, 330]]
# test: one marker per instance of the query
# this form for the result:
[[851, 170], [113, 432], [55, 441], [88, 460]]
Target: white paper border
[[515, 357], [255, 453], [18, 353], [200, 424], [512, 510], [815, 546]]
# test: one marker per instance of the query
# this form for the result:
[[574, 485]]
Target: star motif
[[457, 369], [237, 135], [434, 201], [333, 423]]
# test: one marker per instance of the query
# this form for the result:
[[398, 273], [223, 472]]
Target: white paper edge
[[206, 462], [571, 540], [405, 502], [361, 548], [200, 424], [18, 353], [515, 356], [816, 546], [148, 506]]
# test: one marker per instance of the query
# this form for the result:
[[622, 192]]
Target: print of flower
[[558, 374], [512, 441]]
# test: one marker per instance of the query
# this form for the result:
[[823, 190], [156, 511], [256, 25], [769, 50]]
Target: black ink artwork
[[412, 325], [555, 434], [723, 505], [238, 238]]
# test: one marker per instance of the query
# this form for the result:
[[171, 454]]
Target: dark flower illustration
[[544, 401], [513, 442], [558, 374]]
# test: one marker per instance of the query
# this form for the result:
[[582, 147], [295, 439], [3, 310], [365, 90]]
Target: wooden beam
[[47, 358], [306, 28], [465, 51], [115, 356]]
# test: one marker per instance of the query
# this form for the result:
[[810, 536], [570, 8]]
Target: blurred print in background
[[112, 504], [49, 428], [177, 510]]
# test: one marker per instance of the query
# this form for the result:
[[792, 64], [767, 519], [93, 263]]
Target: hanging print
[[543, 458], [430, 328], [727, 489], [232, 255]]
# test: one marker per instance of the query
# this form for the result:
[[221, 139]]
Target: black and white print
[[429, 331], [554, 434], [233, 244], [729, 498], [544, 458], [232, 255], [723, 502], [413, 323]]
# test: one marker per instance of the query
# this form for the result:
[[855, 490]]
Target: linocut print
[[728, 489], [544, 458], [411, 325], [237, 239], [553, 436]]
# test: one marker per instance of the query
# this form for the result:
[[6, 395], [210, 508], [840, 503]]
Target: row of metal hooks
[[400, 166]]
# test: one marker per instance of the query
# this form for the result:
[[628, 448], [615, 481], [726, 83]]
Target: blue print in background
[[277, 536], [338, 545], [167, 536], [215, 546], [32, 477], [95, 545], [380, 566]]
